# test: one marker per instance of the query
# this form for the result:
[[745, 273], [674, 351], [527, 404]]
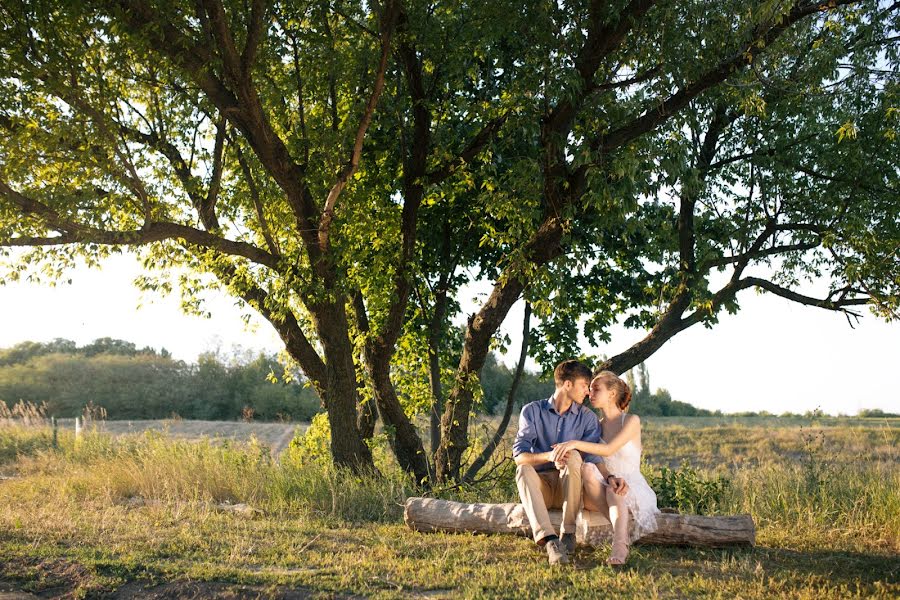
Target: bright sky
[[773, 355]]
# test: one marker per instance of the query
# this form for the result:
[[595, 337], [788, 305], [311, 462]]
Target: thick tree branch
[[72, 232], [413, 191], [207, 205], [291, 333], [254, 35], [840, 304], [220, 32], [601, 41]]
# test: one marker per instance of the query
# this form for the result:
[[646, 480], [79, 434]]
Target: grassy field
[[274, 435], [147, 516]]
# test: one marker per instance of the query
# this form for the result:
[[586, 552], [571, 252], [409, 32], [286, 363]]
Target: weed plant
[[687, 490], [23, 413]]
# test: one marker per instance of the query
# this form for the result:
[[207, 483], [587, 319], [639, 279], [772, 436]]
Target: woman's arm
[[629, 432]]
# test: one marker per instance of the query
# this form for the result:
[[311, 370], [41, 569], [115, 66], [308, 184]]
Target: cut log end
[[431, 515]]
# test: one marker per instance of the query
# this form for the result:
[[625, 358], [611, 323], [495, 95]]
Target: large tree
[[344, 167]]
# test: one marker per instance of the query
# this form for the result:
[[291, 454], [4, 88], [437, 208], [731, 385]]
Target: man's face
[[579, 390]]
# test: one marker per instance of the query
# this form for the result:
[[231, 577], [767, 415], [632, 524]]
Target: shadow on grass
[[835, 566], [61, 578]]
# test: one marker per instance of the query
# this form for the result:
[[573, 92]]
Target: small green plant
[[687, 490], [313, 445]]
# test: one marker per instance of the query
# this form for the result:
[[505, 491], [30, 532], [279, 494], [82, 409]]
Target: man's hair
[[570, 370]]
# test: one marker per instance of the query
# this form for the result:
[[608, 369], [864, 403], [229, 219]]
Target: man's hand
[[618, 485], [561, 452], [558, 456]]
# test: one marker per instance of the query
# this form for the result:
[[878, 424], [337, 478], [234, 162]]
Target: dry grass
[[828, 524], [23, 413]]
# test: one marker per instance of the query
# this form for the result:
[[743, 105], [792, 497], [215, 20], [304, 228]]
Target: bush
[[313, 446], [687, 490]]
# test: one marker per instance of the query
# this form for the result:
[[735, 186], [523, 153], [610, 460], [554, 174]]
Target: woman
[[621, 449]]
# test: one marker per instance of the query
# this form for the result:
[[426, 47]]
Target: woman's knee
[[614, 499]]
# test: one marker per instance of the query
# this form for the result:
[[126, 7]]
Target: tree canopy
[[344, 167]]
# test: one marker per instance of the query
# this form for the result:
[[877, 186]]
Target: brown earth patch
[[57, 578]]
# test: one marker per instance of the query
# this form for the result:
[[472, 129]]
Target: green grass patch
[[108, 517]]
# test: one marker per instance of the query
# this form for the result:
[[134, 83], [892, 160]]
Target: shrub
[[688, 490]]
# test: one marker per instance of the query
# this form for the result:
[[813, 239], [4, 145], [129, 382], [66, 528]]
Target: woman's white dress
[[640, 499]]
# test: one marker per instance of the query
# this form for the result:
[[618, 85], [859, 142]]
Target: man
[[549, 478]]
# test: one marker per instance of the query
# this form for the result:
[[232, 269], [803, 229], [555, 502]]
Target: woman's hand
[[563, 448], [618, 485]]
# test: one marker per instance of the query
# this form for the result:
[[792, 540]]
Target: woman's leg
[[593, 494], [619, 517]]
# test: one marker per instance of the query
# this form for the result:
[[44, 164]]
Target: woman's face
[[599, 394]]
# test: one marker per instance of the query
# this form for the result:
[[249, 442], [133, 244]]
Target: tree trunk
[[367, 418], [405, 441], [485, 455], [431, 514], [339, 392], [434, 366], [544, 247]]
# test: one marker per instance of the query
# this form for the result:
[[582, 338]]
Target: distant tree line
[[133, 383], [658, 403], [145, 383]]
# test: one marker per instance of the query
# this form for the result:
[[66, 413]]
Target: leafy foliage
[[688, 490], [345, 170], [146, 385]]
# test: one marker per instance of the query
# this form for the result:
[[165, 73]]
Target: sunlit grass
[[828, 526]]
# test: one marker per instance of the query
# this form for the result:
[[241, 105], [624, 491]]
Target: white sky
[[773, 355]]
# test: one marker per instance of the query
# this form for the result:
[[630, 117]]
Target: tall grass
[[857, 502], [153, 467], [806, 497], [23, 413], [17, 441]]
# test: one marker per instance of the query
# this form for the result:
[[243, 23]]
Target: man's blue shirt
[[540, 426]]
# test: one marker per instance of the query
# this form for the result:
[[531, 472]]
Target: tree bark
[[431, 514], [339, 394], [543, 247], [485, 455], [434, 367], [404, 439]]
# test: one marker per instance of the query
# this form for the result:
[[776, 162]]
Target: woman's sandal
[[618, 555]]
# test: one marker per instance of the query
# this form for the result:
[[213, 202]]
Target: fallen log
[[431, 514]]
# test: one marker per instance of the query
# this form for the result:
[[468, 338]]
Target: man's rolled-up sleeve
[[527, 433]]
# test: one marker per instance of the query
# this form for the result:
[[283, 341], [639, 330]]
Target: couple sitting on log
[[566, 458]]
